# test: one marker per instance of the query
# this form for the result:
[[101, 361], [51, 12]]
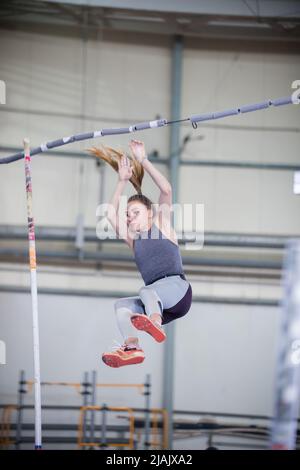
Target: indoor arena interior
[[149, 225]]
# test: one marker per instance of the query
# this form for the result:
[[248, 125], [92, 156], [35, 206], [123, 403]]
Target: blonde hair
[[112, 156]]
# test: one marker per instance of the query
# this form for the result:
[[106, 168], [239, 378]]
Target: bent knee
[[148, 295], [146, 291], [143, 289], [121, 303]]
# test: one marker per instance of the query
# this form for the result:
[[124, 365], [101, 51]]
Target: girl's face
[[138, 216]]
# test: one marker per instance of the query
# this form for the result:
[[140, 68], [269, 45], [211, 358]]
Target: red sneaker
[[123, 356], [142, 322]]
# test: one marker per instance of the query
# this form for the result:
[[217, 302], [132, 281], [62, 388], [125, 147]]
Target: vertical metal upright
[[287, 385], [176, 75], [85, 395], [93, 403], [104, 426], [176, 78], [79, 242], [21, 392], [147, 394]]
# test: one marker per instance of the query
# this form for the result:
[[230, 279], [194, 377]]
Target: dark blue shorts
[[178, 310], [172, 295]]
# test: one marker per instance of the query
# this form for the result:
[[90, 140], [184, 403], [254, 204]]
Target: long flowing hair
[[112, 156]]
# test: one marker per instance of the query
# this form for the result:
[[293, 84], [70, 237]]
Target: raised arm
[[114, 203], [165, 198], [117, 220], [139, 152]]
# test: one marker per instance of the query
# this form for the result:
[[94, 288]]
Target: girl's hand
[[138, 150], [125, 170]]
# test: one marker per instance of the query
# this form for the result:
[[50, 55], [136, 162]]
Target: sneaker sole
[[112, 360], [142, 323]]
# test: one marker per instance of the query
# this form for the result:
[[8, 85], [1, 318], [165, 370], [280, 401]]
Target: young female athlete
[[167, 295]]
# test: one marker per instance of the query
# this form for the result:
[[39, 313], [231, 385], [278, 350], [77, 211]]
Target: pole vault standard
[[34, 303], [287, 384], [153, 124]]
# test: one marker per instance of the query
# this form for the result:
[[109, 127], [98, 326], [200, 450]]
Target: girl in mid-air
[[166, 295]]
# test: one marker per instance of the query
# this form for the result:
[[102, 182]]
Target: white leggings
[[153, 298]]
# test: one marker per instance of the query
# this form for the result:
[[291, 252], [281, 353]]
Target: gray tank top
[[155, 255]]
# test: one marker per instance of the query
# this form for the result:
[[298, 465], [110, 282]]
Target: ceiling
[[263, 20]]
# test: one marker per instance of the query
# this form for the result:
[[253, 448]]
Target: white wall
[[46, 73], [225, 359], [242, 200]]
